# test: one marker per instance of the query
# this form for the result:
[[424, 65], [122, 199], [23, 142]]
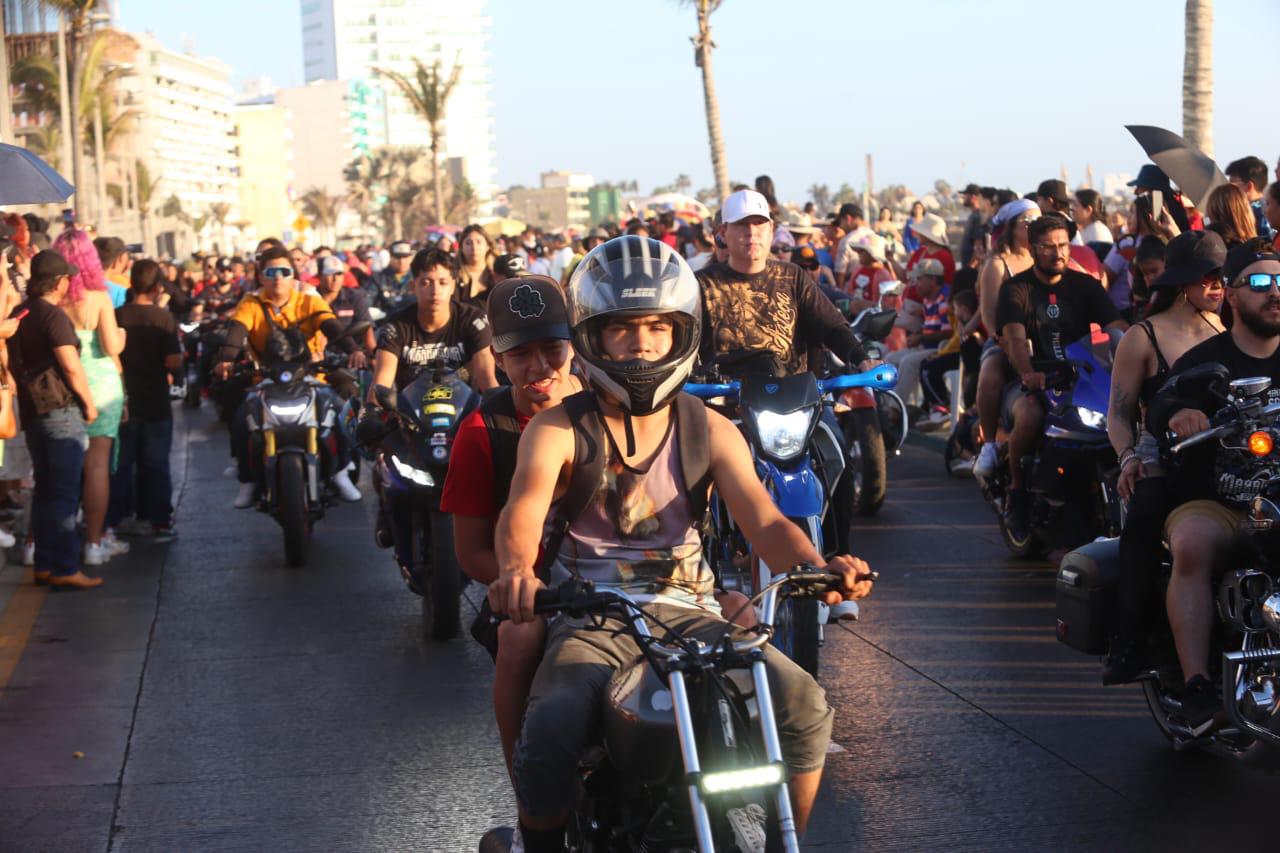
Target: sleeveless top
[[1154, 382], [104, 385], [638, 533]]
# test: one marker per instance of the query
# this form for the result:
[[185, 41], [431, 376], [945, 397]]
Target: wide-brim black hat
[[1190, 257]]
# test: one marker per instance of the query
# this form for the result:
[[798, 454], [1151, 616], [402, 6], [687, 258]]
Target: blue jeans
[[57, 442], [141, 484]]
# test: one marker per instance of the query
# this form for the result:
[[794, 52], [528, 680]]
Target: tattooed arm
[[1131, 367]]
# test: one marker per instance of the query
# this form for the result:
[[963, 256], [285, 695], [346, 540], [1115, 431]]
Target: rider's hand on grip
[[512, 595], [1033, 381], [858, 579], [1188, 422]]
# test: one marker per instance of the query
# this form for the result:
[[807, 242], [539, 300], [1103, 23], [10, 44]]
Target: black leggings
[[933, 375], [1140, 552]]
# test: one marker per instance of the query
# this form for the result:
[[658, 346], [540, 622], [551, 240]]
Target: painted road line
[[16, 623]]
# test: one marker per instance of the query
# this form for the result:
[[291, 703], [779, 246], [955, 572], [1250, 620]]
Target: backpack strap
[[589, 455], [498, 411], [695, 453]]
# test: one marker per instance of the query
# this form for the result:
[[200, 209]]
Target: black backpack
[[284, 345]]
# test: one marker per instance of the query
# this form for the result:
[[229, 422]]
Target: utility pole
[[64, 98], [6, 107]]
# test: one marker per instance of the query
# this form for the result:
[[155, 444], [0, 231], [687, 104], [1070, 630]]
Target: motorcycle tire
[[443, 589], [291, 502], [951, 453], [1029, 549], [870, 477], [796, 632], [1252, 753]]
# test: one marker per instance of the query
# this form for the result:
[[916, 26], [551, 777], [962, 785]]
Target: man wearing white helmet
[[626, 518]]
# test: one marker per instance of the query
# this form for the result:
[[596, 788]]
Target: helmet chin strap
[[629, 433]]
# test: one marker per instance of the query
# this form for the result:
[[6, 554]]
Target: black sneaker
[[1200, 703], [1017, 516], [164, 532], [1123, 664]]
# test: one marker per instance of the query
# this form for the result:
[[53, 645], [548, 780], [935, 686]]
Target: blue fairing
[[1091, 390], [798, 492]]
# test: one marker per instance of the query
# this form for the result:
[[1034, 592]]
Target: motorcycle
[[1074, 466], [873, 420], [1245, 644], [799, 458], [412, 461], [292, 419], [690, 757], [200, 340]]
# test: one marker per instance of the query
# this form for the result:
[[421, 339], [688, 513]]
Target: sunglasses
[[1260, 282], [278, 272]]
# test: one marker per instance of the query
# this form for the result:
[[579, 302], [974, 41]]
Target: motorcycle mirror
[[385, 397], [1212, 380]]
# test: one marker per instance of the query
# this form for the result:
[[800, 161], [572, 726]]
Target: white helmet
[[634, 276]]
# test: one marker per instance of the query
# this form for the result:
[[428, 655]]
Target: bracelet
[[1130, 458]]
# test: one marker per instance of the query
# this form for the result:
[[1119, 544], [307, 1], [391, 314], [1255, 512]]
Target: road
[[210, 698]]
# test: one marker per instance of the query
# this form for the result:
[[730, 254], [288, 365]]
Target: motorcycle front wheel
[[868, 466], [442, 587], [796, 632], [291, 511]]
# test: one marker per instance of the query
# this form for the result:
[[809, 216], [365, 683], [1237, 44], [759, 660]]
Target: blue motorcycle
[[1071, 476], [799, 456]]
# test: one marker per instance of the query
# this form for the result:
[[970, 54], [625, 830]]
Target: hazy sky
[[999, 92]]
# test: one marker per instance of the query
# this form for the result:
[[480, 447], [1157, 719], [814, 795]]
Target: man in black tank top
[[635, 308]]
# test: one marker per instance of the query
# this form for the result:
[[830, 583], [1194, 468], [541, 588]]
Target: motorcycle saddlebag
[[1086, 594]]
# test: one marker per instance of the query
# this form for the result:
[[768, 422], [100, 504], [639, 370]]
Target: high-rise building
[[350, 39], [265, 137], [336, 121]]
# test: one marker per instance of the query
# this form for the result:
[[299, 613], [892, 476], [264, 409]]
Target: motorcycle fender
[[797, 493], [310, 464], [858, 398]]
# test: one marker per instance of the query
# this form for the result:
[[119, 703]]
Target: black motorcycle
[[412, 462], [1245, 656], [690, 757]]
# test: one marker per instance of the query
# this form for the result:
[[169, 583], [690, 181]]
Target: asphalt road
[[210, 698]]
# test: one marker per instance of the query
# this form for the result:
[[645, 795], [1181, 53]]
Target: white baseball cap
[[332, 265], [738, 206]]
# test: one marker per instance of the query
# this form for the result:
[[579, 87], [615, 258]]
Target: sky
[[1001, 92]]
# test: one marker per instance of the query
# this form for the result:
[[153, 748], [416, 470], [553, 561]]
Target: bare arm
[[779, 542], [384, 371], [545, 453], [1127, 374], [483, 376], [1017, 349], [110, 335], [69, 360], [473, 540], [173, 363], [988, 294]]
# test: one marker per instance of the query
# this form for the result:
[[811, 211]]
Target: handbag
[[48, 390]]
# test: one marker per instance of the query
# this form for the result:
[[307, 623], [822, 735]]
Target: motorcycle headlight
[[741, 779], [289, 410], [1090, 418], [412, 474], [783, 436]]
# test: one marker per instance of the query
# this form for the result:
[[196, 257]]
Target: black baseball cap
[[507, 266], [849, 209], [1191, 256], [50, 264], [1247, 253], [971, 189], [525, 309]]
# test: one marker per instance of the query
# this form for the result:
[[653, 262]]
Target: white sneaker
[[95, 554], [28, 553], [988, 459], [244, 497], [346, 489], [230, 471], [748, 825], [114, 546], [7, 539]]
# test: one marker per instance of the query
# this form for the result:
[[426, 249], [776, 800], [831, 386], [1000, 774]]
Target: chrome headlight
[[1091, 418], [741, 779], [412, 474], [783, 436]]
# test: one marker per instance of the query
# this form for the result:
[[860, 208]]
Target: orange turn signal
[[1260, 443]]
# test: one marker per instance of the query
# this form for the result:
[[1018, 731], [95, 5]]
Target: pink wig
[[77, 247]]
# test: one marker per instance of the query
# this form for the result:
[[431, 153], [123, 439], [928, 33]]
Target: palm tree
[[37, 80], [145, 188], [78, 13], [702, 47], [821, 195], [218, 212], [323, 209], [1197, 76], [428, 93], [46, 143]]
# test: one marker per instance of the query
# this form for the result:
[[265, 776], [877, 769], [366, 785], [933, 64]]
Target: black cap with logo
[[525, 309]]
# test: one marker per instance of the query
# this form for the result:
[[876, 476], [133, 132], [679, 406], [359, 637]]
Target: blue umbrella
[[26, 179]]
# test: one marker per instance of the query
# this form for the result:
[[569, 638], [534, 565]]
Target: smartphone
[[720, 243], [24, 312]]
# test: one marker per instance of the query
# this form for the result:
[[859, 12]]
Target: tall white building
[[335, 122], [185, 131], [348, 39]]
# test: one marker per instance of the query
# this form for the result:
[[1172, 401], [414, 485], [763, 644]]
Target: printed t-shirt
[[466, 333], [1054, 315]]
